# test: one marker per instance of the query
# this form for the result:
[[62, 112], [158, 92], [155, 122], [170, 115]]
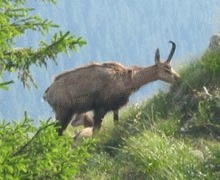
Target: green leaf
[[4, 86]]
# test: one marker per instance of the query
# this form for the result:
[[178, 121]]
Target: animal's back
[[111, 66], [89, 86]]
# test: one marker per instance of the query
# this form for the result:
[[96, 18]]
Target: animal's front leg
[[64, 116], [98, 116]]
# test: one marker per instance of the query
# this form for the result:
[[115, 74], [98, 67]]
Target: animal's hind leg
[[98, 116], [64, 116], [115, 116]]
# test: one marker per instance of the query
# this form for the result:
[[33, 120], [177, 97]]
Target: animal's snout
[[176, 77]]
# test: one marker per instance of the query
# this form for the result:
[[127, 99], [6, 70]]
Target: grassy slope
[[174, 135]]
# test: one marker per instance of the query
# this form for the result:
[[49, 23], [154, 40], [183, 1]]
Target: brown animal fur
[[102, 88]]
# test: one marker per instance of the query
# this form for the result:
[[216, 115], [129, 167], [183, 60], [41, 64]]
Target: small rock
[[214, 42]]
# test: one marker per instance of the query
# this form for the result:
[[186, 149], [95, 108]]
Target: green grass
[[158, 156]]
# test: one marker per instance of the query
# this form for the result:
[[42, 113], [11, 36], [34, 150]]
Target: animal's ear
[[157, 56]]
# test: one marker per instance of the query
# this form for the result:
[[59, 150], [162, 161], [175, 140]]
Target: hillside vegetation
[[173, 135]]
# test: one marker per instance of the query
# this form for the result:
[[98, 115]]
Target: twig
[[6, 83], [35, 135], [58, 41], [206, 91]]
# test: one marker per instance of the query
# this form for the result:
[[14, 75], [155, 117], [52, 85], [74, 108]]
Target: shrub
[[28, 152]]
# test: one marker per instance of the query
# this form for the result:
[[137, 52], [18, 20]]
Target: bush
[[28, 152]]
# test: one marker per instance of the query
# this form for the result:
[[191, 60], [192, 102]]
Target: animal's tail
[[45, 94]]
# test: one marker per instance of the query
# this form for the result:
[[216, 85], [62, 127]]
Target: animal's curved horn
[[157, 56], [172, 51]]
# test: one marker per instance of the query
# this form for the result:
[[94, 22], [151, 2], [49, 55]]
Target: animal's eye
[[167, 69]]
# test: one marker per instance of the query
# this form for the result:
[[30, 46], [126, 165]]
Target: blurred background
[[126, 31]]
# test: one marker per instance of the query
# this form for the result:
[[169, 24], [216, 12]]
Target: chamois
[[102, 88]]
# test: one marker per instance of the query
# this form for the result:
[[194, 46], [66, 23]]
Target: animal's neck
[[142, 76]]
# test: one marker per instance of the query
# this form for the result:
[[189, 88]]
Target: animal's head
[[164, 70]]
